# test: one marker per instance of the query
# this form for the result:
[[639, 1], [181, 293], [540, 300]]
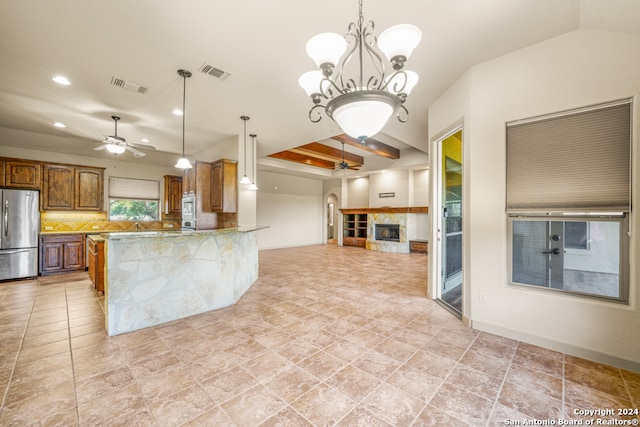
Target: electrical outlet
[[95, 227], [167, 225], [48, 228], [483, 297]]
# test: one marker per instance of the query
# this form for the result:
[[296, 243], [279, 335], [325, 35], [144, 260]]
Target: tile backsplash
[[56, 222]]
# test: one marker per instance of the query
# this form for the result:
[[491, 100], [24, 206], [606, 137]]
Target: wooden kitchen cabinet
[[172, 194], [95, 263], [89, 189], [224, 186], [18, 173], [418, 246], [72, 187], [61, 253]]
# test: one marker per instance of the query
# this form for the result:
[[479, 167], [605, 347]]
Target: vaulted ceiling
[[246, 57]]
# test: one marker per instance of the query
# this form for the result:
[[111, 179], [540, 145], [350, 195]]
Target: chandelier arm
[[353, 34], [319, 113], [325, 88], [398, 86], [403, 114]]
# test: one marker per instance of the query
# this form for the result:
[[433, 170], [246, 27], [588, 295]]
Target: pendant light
[[245, 179], [183, 162], [253, 185]]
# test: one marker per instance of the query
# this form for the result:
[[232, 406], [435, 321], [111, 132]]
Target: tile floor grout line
[[73, 370], [15, 361], [504, 380]]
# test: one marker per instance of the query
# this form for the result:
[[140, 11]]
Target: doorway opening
[[332, 220], [450, 233]]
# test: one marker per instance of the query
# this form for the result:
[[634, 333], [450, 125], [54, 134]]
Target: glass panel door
[[450, 221]]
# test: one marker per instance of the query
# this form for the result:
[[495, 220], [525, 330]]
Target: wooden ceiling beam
[[303, 159], [315, 149], [372, 145]]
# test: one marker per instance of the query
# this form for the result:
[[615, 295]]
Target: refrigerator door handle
[[5, 218], [13, 251]]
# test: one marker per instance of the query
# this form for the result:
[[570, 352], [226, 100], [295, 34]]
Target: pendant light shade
[[183, 162], [245, 179]]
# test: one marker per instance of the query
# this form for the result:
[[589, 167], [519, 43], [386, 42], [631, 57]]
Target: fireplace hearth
[[387, 232]]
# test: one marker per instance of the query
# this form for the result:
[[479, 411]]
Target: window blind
[[578, 161], [130, 188]]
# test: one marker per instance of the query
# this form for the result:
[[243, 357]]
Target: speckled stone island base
[[157, 277]]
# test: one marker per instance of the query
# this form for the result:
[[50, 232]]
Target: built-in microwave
[[189, 212]]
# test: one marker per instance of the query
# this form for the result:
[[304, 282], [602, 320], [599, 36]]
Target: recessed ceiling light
[[59, 125], [144, 140], [177, 112], [61, 80]]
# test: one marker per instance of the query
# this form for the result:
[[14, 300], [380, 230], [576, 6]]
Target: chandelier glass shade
[[361, 105]]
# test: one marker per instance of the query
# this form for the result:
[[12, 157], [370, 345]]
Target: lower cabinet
[[61, 253], [96, 262]]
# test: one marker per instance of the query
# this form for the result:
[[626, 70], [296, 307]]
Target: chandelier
[[361, 105]]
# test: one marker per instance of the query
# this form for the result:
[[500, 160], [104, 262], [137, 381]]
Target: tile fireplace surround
[[389, 215]]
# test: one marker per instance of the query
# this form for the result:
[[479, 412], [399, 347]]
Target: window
[[576, 235], [134, 199], [568, 201], [539, 256]]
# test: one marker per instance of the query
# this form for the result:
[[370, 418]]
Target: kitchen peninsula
[[156, 277]]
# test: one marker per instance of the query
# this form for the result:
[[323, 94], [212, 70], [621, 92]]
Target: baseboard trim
[[569, 349]]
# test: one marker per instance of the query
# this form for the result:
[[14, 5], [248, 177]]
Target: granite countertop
[[146, 234], [95, 237]]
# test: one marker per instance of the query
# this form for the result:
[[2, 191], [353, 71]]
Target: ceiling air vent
[[213, 71], [129, 86]]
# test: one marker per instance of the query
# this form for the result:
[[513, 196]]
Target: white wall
[[358, 193], [581, 68], [292, 207], [390, 181], [420, 194]]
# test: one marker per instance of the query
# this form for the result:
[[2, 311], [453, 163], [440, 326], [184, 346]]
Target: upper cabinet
[[71, 187], [224, 186], [18, 173], [172, 194], [89, 189]]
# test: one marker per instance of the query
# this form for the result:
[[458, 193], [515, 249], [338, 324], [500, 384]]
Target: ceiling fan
[[117, 145], [344, 165]]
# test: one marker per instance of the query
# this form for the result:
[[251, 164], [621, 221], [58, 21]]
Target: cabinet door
[[91, 264], [22, 174], [88, 189], [172, 194], [73, 255], [224, 186], [51, 256], [57, 187], [188, 182]]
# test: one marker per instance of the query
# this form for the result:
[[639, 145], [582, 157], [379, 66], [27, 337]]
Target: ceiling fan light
[[183, 163], [326, 48], [399, 40], [115, 149]]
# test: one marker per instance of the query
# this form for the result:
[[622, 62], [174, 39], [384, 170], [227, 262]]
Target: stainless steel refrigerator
[[19, 234]]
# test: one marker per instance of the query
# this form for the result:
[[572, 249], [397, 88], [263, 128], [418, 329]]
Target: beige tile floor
[[327, 336]]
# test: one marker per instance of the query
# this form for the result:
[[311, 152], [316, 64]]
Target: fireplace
[[387, 232]]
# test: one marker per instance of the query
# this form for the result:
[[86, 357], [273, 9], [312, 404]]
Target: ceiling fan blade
[[100, 147], [141, 146], [135, 152], [114, 139]]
